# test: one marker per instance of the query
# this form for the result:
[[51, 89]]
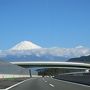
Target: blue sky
[[48, 23]]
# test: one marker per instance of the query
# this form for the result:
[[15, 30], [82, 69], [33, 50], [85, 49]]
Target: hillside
[[8, 68], [84, 59]]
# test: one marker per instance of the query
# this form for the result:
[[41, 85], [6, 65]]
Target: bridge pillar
[[30, 73]]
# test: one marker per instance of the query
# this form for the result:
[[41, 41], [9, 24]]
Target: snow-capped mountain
[[28, 51], [25, 45]]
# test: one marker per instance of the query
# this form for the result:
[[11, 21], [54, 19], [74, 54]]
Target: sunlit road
[[48, 84]]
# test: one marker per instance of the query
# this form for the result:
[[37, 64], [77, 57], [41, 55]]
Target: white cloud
[[65, 52]]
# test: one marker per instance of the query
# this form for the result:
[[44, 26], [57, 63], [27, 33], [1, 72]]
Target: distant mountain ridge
[[28, 51], [83, 59]]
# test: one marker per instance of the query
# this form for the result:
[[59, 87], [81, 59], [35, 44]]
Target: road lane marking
[[45, 81], [51, 85], [17, 84]]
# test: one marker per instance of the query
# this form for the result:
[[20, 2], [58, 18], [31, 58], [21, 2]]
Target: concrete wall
[[15, 76], [12, 76], [78, 78]]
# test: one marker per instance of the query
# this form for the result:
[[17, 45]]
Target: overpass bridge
[[31, 64], [66, 65]]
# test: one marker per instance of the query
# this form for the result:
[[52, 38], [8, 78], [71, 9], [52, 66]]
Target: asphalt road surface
[[48, 83]]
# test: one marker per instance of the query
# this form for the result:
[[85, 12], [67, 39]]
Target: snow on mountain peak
[[25, 45]]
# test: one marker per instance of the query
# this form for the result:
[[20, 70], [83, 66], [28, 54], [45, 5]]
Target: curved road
[[48, 83]]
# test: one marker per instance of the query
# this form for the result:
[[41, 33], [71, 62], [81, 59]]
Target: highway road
[[48, 83]]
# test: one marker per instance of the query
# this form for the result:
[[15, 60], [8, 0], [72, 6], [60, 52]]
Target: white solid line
[[72, 83], [51, 85], [16, 84]]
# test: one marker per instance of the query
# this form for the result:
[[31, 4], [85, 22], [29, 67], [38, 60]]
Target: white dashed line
[[45, 81], [51, 85]]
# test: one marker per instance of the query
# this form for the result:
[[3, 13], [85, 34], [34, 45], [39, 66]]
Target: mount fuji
[[25, 45], [28, 51]]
